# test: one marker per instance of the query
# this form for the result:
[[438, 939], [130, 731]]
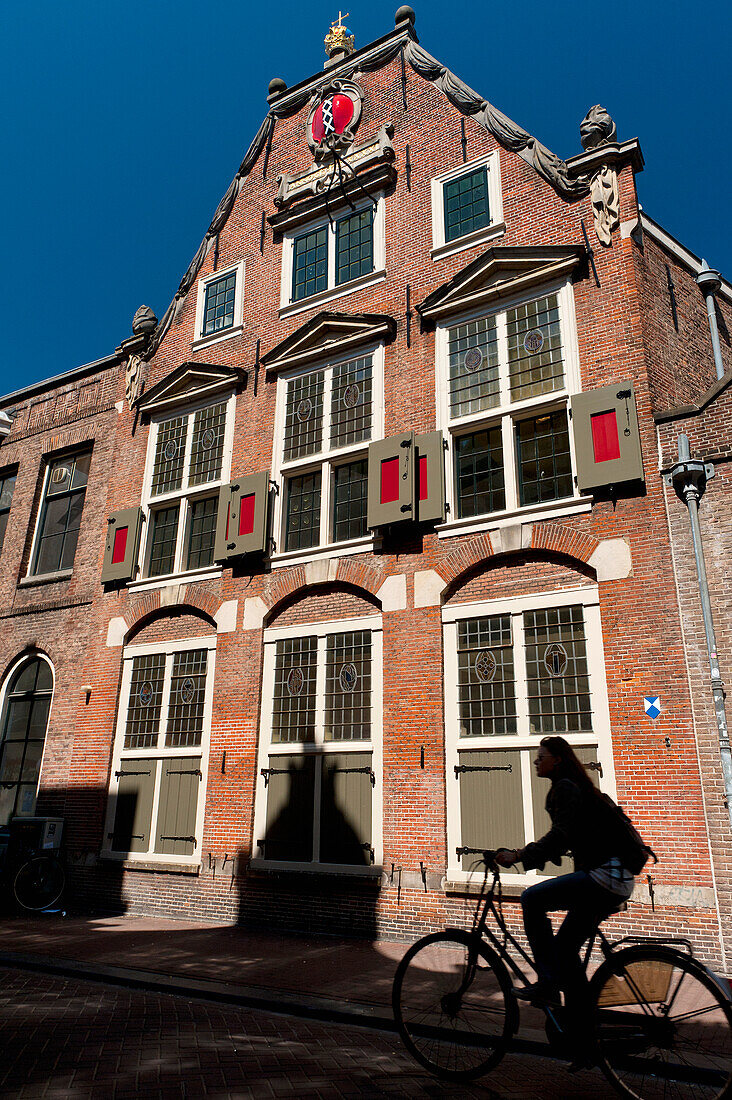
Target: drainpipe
[[689, 478], [709, 282]]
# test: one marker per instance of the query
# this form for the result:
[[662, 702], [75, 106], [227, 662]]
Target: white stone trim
[[255, 612], [496, 226], [116, 631], [225, 617], [428, 588], [686, 258], [393, 593], [612, 560]]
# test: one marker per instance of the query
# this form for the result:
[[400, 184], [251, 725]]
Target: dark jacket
[[579, 826]]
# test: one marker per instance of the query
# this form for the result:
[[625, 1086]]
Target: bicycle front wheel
[[452, 1005], [39, 883], [663, 1026]]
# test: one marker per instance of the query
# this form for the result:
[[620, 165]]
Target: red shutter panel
[[430, 477], [392, 480], [241, 525], [606, 437], [121, 545]]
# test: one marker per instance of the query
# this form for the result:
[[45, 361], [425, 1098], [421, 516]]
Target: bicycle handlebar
[[488, 854]]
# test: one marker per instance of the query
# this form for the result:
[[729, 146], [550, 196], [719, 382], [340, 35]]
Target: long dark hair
[[570, 766]]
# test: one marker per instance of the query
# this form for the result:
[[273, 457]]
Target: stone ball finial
[[277, 86], [404, 12], [144, 322], [597, 128]]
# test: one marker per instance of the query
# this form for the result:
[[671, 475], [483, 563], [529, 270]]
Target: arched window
[[22, 734]]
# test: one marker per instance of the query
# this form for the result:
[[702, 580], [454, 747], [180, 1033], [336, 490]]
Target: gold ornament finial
[[338, 39]]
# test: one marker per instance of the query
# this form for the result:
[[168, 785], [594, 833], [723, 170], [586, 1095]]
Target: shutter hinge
[[367, 848], [266, 772], [459, 768], [234, 487], [188, 839], [192, 771], [406, 508], [132, 836], [364, 771], [118, 774], [595, 766]]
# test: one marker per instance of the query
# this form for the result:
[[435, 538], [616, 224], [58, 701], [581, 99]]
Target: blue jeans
[[556, 957]]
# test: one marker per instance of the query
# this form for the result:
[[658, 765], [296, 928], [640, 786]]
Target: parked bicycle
[[662, 1020], [37, 878]]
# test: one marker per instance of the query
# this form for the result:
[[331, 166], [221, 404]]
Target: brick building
[[372, 508]]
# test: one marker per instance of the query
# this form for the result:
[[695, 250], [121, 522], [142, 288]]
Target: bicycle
[[662, 1021], [38, 878]]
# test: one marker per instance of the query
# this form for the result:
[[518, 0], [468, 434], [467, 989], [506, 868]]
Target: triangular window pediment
[[499, 273], [191, 382], [326, 335]]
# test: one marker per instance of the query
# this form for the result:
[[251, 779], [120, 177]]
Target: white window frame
[[160, 752], [59, 574], [507, 413], [25, 658], [199, 340], [588, 597], [325, 460], [184, 495], [495, 228], [320, 747], [288, 306]]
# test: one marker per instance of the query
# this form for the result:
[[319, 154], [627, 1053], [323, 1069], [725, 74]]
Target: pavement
[[309, 1014]]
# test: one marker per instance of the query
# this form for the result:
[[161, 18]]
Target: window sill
[[150, 864], [269, 867], [216, 337], [532, 514], [470, 240], [335, 550], [512, 888], [45, 578], [332, 293], [147, 583]]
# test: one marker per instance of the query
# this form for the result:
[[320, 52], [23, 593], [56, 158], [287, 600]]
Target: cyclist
[[599, 885]]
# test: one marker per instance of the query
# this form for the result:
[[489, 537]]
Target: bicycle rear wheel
[[453, 1005], [39, 883], [663, 1026]]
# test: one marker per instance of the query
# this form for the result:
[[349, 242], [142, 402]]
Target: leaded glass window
[[218, 310], [187, 694], [293, 715], [145, 700], [304, 415], [7, 485], [350, 492], [207, 446], [348, 686], [202, 535], [310, 264], [60, 520], [354, 245], [479, 472], [486, 688], [188, 462], [465, 201], [22, 737], [350, 410], [535, 355], [163, 538], [556, 669], [543, 458], [473, 355], [303, 511]]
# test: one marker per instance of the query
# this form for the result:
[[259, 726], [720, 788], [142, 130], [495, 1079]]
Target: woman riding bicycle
[[599, 885]]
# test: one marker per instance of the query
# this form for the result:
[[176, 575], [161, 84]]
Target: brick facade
[[665, 770]]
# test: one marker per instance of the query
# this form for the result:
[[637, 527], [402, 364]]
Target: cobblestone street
[[70, 1038]]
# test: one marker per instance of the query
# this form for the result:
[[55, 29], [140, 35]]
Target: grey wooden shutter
[[606, 437], [391, 480], [491, 802], [180, 782], [290, 801], [346, 797], [542, 821], [430, 473], [121, 545], [133, 806], [241, 525]]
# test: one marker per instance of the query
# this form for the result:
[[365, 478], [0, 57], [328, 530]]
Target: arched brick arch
[[149, 607], [300, 578], [553, 538]]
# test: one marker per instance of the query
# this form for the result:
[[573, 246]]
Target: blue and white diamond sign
[[652, 705]]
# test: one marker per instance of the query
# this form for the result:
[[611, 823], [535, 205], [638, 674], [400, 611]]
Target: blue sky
[[124, 124]]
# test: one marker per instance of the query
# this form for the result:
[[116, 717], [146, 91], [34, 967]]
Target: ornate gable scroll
[[496, 274], [191, 382], [329, 334]]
